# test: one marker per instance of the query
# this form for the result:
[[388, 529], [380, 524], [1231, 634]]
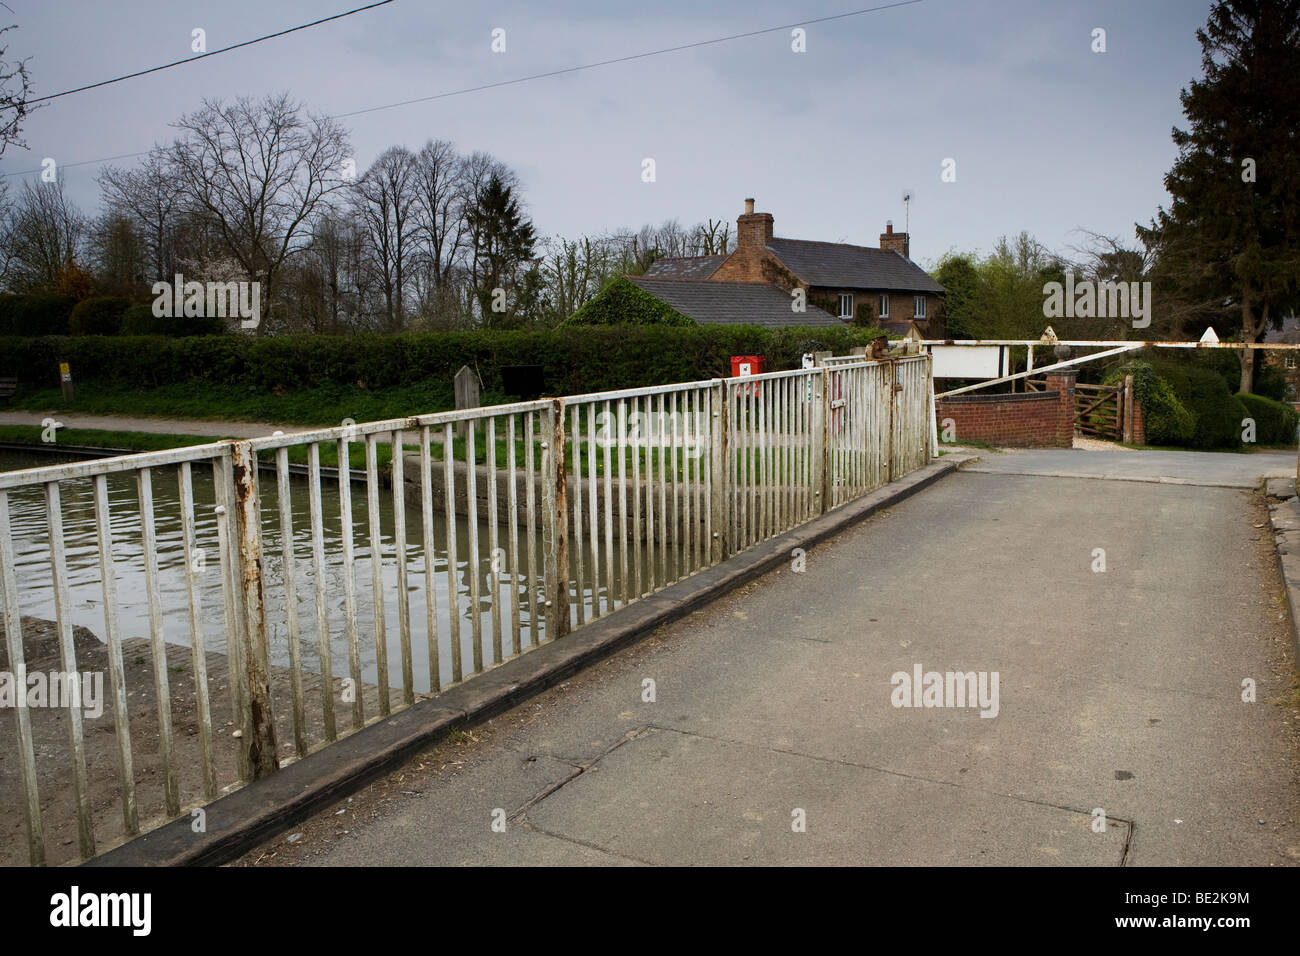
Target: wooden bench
[[8, 386]]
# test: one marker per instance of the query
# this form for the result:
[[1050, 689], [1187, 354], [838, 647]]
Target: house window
[[846, 305], [918, 306], [1290, 360], [884, 306]]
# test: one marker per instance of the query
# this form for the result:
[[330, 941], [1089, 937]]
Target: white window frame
[[918, 307], [843, 296], [884, 306]]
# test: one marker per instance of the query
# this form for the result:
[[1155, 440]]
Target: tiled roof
[[696, 267], [836, 265], [1289, 333], [734, 303]]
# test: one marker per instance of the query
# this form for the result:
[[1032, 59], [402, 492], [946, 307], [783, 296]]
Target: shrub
[[622, 302], [98, 316], [1165, 419], [1205, 393], [1270, 381], [1275, 422]]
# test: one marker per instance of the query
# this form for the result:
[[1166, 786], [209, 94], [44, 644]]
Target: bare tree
[[440, 210], [44, 234], [15, 90], [151, 197], [384, 201], [475, 175], [118, 253], [711, 238], [259, 169]]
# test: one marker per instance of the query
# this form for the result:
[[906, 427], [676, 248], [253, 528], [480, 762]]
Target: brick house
[[881, 285]]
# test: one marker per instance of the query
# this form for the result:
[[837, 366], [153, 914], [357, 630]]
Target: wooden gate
[[1098, 409]]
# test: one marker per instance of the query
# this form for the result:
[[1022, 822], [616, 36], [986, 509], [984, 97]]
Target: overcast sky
[[1047, 135]]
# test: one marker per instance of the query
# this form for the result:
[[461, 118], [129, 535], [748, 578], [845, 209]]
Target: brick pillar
[[1062, 382], [1139, 425]]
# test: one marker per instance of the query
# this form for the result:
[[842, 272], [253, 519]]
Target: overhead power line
[[201, 56], [625, 59], [521, 79]]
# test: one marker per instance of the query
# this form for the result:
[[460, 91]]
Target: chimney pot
[[749, 207], [889, 226]]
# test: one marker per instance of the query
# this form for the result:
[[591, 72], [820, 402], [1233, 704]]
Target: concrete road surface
[[1225, 469], [771, 735]]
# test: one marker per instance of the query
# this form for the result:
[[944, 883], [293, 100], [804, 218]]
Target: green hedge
[[35, 314], [1275, 422], [575, 360], [1165, 420], [140, 320], [101, 315]]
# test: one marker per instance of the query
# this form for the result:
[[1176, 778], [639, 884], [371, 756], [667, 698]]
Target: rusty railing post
[[258, 730], [555, 524]]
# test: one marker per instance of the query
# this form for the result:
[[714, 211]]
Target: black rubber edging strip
[[241, 820]]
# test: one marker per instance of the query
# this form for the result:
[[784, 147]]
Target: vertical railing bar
[[625, 582], [259, 738], [557, 523], [662, 428], [787, 408], [471, 499], [68, 666], [350, 581], [18, 667], [701, 495], [290, 598], [645, 405], [688, 532], [399, 552], [494, 540], [116, 672], [379, 616], [430, 558], [198, 642], [578, 544], [324, 645], [752, 464], [677, 508], [779, 476], [530, 498], [761, 435], [610, 594], [593, 511], [712, 421], [232, 595], [512, 509], [453, 593], [635, 451], [158, 643]]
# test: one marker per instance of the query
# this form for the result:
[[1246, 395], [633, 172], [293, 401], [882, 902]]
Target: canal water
[[31, 543]]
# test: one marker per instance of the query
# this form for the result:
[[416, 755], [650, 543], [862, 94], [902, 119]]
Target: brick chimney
[[753, 229], [894, 241]]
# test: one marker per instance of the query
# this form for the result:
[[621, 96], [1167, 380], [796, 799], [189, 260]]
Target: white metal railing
[[587, 503]]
